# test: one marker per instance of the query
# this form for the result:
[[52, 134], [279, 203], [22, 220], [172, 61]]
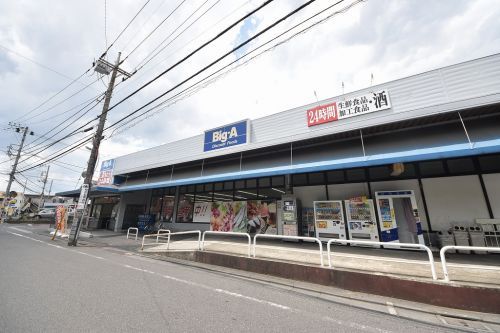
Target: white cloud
[[391, 39]]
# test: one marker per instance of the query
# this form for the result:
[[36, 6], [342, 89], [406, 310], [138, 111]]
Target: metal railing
[[227, 234], [162, 231], [151, 236], [454, 247], [290, 237], [183, 233], [385, 244], [136, 232]]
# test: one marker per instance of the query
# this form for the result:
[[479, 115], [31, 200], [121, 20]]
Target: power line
[[126, 27], [55, 105], [60, 124], [178, 27], [37, 63], [172, 99], [156, 28], [223, 32], [293, 12]]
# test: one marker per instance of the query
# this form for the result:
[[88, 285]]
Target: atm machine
[[399, 217], [361, 220], [329, 220], [287, 209]]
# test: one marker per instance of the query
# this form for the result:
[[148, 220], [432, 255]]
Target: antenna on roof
[[371, 80], [343, 87], [316, 95]]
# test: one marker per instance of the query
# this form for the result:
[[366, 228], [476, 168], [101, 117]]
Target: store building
[[432, 140]]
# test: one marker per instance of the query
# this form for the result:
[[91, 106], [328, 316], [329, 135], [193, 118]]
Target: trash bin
[[461, 237], [445, 238], [477, 238]]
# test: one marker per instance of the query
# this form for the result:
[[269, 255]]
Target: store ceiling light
[[280, 191]]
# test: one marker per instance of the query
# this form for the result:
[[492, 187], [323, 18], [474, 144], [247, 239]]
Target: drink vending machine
[[399, 217], [361, 219], [287, 216], [329, 220]]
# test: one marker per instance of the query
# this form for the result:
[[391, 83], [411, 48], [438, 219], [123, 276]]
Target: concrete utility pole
[[14, 167], [40, 205], [94, 153]]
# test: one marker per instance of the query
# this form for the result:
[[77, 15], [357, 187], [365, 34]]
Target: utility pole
[[40, 204], [87, 183], [50, 187], [14, 167]]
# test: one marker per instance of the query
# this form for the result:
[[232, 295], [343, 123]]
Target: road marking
[[21, 230], [356, 326], [391, 309], [276, 305]]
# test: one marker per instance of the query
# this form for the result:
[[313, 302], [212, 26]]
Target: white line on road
[[218, 290], [21, 230]]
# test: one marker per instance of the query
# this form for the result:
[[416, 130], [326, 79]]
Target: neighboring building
[[432, 140]]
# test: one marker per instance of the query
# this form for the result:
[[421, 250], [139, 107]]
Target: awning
[[95, 191], [449, 151]]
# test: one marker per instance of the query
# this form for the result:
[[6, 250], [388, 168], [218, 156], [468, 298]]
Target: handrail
[[385, 244], [184, 233], [228, 233], [163, 231], [136, 232], [290, 237], [454, 247], [151, 236]]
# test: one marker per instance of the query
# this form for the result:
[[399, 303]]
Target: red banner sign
[[322, 114]]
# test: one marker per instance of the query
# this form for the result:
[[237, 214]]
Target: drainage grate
[[465, 323]]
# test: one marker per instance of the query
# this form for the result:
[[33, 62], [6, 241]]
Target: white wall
[[454, 200], [492, 184], [347, 191], [308, 194], [400, 185]]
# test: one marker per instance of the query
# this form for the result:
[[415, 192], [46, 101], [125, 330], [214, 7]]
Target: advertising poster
[[185, 209], [229, 216], [106, 173], [167, 211], [261, 217], [202, 212]]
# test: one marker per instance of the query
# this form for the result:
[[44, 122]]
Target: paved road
[[46, 287]]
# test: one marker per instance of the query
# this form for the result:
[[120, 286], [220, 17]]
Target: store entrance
[[407, 223]]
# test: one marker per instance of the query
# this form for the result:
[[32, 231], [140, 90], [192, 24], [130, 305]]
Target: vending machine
[[329, 220], [399, 217], [287, 216], [361, 219]]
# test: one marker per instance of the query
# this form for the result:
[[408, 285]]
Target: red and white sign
[[356, 106], [322, 114]]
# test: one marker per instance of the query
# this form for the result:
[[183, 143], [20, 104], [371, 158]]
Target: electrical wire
[[55, 105], [156, 28], [187, 91], [141, 64], [223, 32], [125, 28], [272, 25]]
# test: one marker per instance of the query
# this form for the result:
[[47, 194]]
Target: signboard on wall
[[202, 212], [106, 173], [356, 106], [82, 200], [227, 136]]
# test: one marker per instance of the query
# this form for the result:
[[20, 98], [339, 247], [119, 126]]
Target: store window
[[251, 183], [168, 201], [156, 204], [264, 182], [185, 208], [278, 181]]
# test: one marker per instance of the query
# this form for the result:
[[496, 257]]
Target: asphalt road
[[48, 287]]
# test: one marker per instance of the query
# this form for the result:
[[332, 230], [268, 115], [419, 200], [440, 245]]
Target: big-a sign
[[226, 136], [106, 173]]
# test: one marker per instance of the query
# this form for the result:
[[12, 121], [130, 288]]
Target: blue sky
[[389, 38]]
